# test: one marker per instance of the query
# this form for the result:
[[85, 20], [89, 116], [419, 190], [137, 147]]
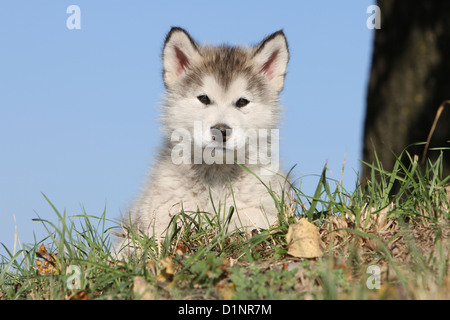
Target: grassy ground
[[374, 245]]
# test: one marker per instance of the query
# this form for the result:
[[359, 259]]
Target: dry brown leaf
[[165, 278], [181, 249], [303, 240], [167, 267], [80, 295], [225, 289], [372, 244], [49, 265], [43, 253], [142, 289]]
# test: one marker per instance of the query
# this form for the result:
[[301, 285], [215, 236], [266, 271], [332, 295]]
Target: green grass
[[403, 233]]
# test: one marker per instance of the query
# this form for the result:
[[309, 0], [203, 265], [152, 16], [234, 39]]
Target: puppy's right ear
[[179, 52]]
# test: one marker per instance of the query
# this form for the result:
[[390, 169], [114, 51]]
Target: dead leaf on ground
[[165, 278], [181, 248], [303, 240], [49, 265], [225, 289], [80, 295], [142, 289]]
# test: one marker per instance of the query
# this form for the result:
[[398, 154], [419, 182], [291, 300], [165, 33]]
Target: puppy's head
[[229, 90]]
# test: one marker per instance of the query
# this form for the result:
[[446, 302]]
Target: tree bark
[[409, 79]]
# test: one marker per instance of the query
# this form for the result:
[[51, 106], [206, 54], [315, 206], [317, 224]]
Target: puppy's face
[[221, 94]]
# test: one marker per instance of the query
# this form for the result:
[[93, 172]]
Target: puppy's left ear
[[271, 57]]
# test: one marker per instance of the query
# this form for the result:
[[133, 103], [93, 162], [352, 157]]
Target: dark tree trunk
[[410, 78]]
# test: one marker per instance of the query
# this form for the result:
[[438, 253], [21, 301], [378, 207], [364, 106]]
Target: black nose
[[221, 130]]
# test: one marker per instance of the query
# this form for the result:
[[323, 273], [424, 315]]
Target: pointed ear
[[271, 57], [179, 52]]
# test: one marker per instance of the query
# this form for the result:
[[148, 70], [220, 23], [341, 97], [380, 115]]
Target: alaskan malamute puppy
[[221, 109]]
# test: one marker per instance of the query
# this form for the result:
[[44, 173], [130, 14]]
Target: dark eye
[[242, 102], [204, 99]]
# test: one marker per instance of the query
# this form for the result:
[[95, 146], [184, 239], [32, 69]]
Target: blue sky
[[79, 108]]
